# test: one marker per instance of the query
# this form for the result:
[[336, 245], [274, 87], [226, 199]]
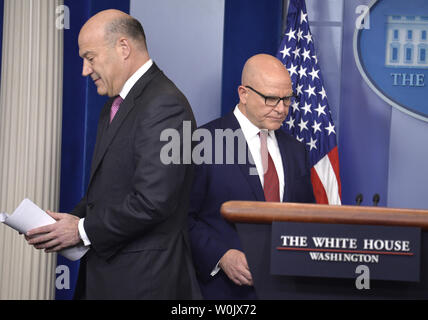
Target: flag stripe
[[319, 191], [333, 155], [328, 180]]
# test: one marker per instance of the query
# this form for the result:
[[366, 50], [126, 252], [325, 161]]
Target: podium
[[253, 221]]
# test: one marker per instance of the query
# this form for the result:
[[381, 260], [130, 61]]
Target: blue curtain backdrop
[[250, 27], [81, 108]]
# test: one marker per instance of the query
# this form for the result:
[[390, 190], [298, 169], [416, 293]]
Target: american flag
[[309, 119]]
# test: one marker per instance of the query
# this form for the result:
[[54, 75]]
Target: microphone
[[359, 199], [376, 199]]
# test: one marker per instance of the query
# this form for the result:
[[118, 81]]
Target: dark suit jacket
[[136, 207], [211, 235]]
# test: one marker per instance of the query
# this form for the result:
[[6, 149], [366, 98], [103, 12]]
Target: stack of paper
[[29, 216]]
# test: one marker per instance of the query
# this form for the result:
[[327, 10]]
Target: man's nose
[[87, 69], [281, 107]]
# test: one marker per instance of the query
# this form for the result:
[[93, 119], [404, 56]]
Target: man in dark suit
[[134, 213], [282, 174]]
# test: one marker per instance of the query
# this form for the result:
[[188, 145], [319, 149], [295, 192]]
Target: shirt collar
[[134, 78], [248, 128]]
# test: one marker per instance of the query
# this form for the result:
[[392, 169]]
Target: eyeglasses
[[273, 101]]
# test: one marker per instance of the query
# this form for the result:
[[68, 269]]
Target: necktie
[[271, 181], [115, 107]]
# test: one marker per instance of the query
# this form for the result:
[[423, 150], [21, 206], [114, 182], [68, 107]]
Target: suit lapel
[[253, 180], [110, 130], [102, 128], [282, 144]]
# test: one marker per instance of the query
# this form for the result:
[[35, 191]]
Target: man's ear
[[242, 92], [124, 48]]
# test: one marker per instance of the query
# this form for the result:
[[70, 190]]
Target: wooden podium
[[253, 221]]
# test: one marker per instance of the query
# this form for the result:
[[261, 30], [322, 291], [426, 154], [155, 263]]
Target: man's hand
[[235, 265], [57, 236]]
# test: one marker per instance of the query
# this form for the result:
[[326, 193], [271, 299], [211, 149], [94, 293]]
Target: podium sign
[[336, 250]]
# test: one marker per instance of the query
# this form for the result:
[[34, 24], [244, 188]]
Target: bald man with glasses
[[282, 175]]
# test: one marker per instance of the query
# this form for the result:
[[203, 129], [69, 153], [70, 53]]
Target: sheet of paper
[[29, 216], [3, 216]]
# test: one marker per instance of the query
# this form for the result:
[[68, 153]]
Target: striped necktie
[[115, 107]]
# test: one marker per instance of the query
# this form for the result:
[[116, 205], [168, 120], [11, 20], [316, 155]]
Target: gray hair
[[127, 26]]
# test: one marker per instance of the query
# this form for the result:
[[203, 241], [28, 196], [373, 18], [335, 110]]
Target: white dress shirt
[[251, 134], [123, 93]]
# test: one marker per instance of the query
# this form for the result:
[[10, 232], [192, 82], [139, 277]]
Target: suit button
[[90, 205]]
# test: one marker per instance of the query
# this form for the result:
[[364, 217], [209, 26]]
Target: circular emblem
[[391, 53]]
